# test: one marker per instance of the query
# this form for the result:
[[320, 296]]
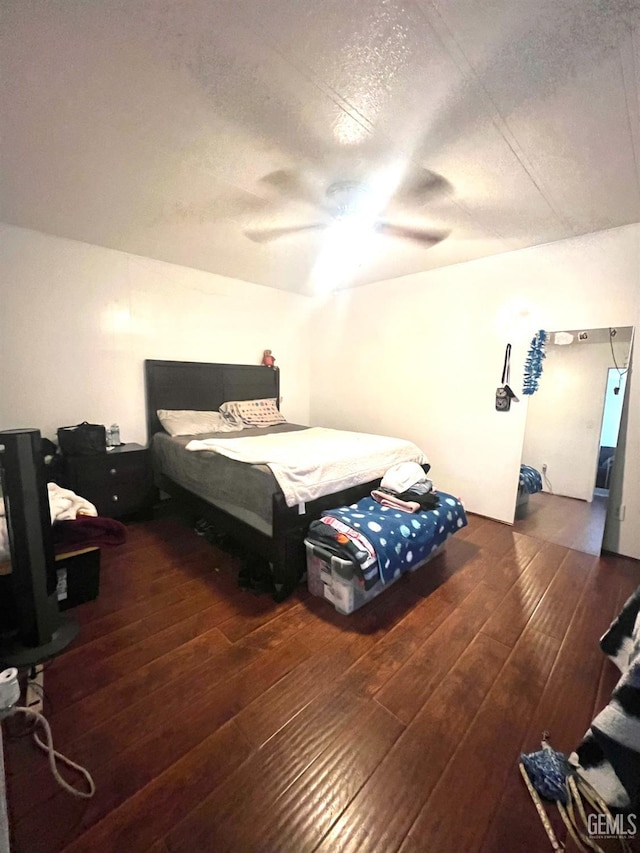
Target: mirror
[[571, 435]]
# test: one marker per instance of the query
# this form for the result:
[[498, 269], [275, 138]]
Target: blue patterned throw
[[530, 479], [402, 540]]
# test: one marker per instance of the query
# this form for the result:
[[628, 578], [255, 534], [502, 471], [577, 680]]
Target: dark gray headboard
[[203, 387]]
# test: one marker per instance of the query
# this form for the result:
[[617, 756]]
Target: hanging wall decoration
[[504, 394], [533, 363]]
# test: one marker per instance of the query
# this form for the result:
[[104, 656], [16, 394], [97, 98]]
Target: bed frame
[[204, 387]]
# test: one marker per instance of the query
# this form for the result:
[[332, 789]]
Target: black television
[[31, 627]]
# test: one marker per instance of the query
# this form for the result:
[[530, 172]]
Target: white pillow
[[257, 413], [188, 422]]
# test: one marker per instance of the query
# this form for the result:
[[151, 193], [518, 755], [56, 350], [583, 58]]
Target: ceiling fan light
[[346, 199]]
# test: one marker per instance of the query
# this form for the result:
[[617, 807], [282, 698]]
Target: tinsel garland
[[533, 363]]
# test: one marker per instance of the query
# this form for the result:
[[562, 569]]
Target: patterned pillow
[[258, 413]]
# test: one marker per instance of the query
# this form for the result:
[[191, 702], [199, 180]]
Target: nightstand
[[119, 482]]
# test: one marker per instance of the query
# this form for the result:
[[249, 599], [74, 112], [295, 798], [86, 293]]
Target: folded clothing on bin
[[349, 544], [390, 500], [400, 540]]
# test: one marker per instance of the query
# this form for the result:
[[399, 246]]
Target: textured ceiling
[[169, 129]]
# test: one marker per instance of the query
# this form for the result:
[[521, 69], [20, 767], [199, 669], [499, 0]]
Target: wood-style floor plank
[[455, 573], [393, 796], [152, 812], [374, 669], [270, 771], [328, 785], [569, 686], [407, 691], [213, 719], [295, 811], [553, 614], [102, 671], [177, 725], [509, 620], [274, 708], [481, 761], [504, 572]]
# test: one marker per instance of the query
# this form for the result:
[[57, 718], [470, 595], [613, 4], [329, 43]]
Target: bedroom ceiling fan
[[348, 201]]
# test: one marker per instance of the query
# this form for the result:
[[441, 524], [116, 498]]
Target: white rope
[[54, 755], [544, 818]]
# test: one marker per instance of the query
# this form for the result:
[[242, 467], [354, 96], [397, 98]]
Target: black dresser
[[119, 482]]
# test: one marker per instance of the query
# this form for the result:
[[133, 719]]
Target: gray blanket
[[244, 491]]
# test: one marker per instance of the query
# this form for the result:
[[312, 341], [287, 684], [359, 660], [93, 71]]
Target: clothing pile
[[75, 524], [349, 544], [406, 487]]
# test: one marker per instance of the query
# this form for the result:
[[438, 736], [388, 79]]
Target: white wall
[[77, 322], [565, 417], [418, 356], [421, 357]]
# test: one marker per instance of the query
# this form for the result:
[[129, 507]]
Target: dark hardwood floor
[[215, 720]]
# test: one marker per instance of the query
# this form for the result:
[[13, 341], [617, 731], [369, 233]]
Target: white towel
[[64, 505]]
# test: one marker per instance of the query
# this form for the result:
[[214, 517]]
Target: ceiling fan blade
[[423, 184], [290, 184], [408, 232], [265, 235]]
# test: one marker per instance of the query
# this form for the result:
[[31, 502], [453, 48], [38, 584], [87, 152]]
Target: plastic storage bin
[[333, 578]]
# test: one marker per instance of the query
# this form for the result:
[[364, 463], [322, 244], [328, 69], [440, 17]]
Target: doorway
[[571, 434], [612, 414]]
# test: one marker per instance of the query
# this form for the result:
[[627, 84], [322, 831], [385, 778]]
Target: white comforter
[[314, 462], [63, 505]]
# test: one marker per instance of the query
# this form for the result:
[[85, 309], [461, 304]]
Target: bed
[[529, 482], [240, 499]]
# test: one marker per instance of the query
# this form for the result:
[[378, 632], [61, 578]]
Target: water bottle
[[113, 436]]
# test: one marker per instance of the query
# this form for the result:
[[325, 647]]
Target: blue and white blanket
[[402, 540], [530, 479]]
